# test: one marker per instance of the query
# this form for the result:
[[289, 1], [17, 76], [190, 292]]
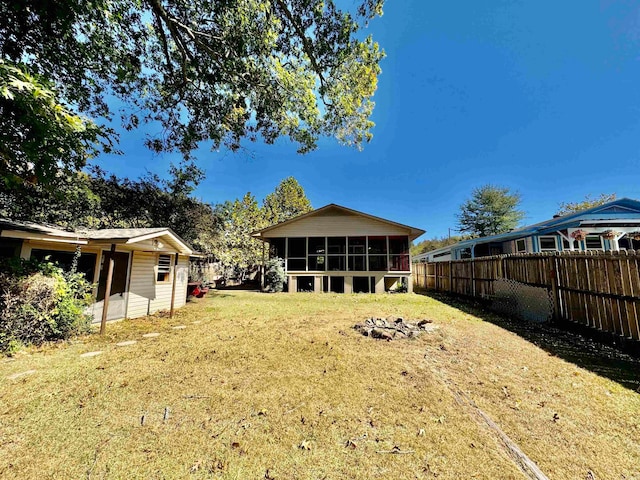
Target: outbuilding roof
[[129, 236]]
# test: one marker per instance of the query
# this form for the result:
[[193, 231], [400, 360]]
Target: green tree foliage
[[490, 210], [287, 201], [209, 71], [236, 248], [98, 200], [41, 139], [565, 208], [435, 243]]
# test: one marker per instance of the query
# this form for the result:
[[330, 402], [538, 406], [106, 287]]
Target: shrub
[[41, 302], [274, 276]]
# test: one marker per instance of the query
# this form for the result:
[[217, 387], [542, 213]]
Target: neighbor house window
[[593, 242], [521, 245], [548, 244], [164, 269]]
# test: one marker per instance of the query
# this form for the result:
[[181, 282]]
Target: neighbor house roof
[[413, 231], [34, 231], [623, 210]]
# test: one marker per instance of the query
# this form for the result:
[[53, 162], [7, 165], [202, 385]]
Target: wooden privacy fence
[[597, 289]]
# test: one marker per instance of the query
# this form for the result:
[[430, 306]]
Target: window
[[357, 245], [336, 284], [593, 242], [521, 245], [164, 269], [336, 263], [306, 284], [399, 245], [377, 245], [565, 244], [316, 249], [361, 285], [548, 244], [317, 263], [297, 247], [337, 245], [378, 263], [357, 254], [276, 247], [296, 264], [316, 245], [86, 263], [336, 250], [357, 263], [297, 254], [399, 263]]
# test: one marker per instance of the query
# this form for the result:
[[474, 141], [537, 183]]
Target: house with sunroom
[[150, 265], [612, 226], [337, 249]]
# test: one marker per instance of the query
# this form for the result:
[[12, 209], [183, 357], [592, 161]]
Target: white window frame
[[524, 250], [555, 242], [162, 269]]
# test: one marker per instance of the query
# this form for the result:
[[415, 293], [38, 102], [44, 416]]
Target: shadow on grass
[[605, 360]]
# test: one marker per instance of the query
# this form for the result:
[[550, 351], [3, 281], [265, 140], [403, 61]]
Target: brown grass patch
[[280, 386]]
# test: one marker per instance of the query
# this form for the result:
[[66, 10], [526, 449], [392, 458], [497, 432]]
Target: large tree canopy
[[210, 71], [490, 210], [40, 138], [565, 208], [287, 201]]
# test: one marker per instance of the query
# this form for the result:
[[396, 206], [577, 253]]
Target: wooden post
[[107, 292], [262, 270], [473, 278], [173, 285], [450, 277], [555, 292]]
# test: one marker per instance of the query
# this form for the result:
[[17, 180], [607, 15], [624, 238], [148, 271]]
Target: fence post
[[554, 288], [473, 278]]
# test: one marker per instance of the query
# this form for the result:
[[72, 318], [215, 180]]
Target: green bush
[[274, 276], [39, 301]]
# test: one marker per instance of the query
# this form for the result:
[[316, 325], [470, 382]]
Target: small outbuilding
[[150, 265]]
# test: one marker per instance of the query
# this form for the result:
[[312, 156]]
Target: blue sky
[[542, 97]]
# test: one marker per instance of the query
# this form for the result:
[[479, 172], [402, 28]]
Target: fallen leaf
[[304, 445]]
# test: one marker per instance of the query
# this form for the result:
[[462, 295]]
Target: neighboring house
[[336, 249], [612, 226], [151, 265]]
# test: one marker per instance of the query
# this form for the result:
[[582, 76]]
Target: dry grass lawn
[[281, 387]]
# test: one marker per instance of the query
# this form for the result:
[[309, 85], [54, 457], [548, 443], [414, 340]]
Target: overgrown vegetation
[[41, 302], [274, 276]]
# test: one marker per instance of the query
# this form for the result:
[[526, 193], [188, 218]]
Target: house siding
[[335, 225], [145, 295]]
